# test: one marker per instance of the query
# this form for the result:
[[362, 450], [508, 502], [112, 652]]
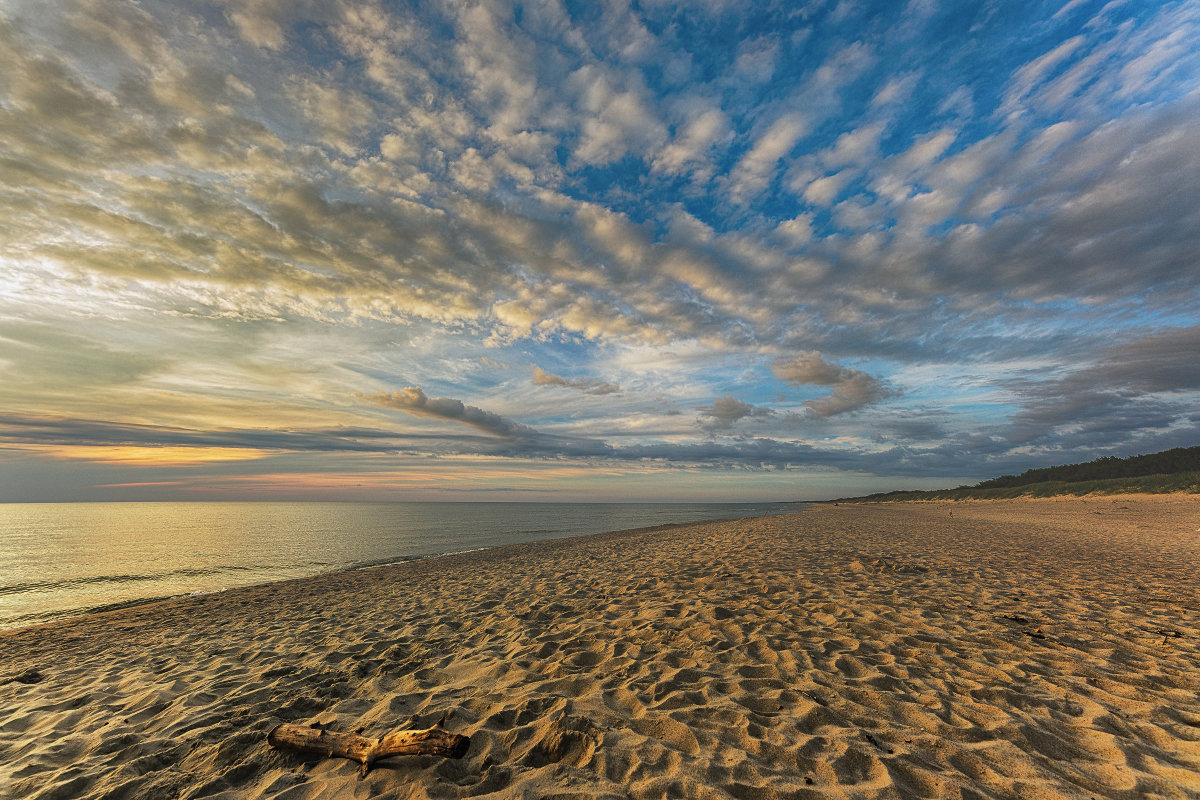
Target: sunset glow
[[154, 456]]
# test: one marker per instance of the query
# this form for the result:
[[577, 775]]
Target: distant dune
[[1176, 470]]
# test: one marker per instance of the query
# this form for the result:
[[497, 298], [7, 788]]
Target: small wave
[[458, 552], [47, 586], [37, 618], [144, 577], [120, 604], [383, 562]]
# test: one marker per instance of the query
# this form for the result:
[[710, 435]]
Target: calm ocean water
[[63, 559]]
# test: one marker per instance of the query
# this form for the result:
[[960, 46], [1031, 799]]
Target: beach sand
[[1023, 648]]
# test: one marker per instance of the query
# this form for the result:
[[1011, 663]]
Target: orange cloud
[[153, 456]]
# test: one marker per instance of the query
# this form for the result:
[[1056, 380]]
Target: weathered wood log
[[433, 741]]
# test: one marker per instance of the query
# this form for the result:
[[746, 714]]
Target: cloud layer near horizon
[[919, 241]]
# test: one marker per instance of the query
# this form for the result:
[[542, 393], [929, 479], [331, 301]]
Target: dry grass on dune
[[1039, 648]]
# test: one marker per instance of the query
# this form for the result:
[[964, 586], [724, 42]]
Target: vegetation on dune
[[1168, 462], [1176, 470]]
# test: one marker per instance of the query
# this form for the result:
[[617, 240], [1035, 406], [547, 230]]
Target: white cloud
[[920, 9], [859, 213], [756, 59], [960, 103], [259, 22], [338, 115], [845, 66], [758, 166], [615, 120], [1026, 79], [1067, 8], [856, 147], [823, 190], [695, 140], [796, 231], [895, 90], [844, 10], [924, 151], [397, 147], [1159, 61]]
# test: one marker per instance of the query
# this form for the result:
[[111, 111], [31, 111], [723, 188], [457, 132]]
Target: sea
[[61, 560]]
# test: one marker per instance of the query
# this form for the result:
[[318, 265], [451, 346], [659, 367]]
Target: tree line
[[1179, 459]]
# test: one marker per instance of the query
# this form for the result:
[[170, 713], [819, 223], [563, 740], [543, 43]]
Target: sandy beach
[[1015, 649]]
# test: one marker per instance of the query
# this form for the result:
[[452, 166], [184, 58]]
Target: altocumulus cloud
[[382, 198]]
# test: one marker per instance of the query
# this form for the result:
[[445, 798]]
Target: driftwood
[[428, 742]]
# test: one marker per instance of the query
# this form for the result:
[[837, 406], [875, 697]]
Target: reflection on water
[[59, 559]]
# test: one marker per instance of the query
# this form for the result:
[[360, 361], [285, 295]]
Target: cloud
[[585, 385], [725, 411], [758, 166], [42, 430], [615, 119], [43, 434], [414, 401], [822, 191], [262, 207], [796, 231], [1142, 387], [756, 59], [262, 22], [852, 389], [339, 116], [1027, 78], [45, 364], [856, 147], [703, 130], [565, 186]]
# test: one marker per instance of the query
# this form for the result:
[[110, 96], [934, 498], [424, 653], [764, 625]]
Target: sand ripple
[[1008, 649]]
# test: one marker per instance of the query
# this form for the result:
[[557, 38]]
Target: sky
[[710, 251]]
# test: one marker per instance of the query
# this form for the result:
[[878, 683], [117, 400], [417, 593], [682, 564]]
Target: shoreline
[[117, 608], [1018, 648], [82, 589]]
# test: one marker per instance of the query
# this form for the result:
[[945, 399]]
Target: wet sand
[[1015, 649]]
